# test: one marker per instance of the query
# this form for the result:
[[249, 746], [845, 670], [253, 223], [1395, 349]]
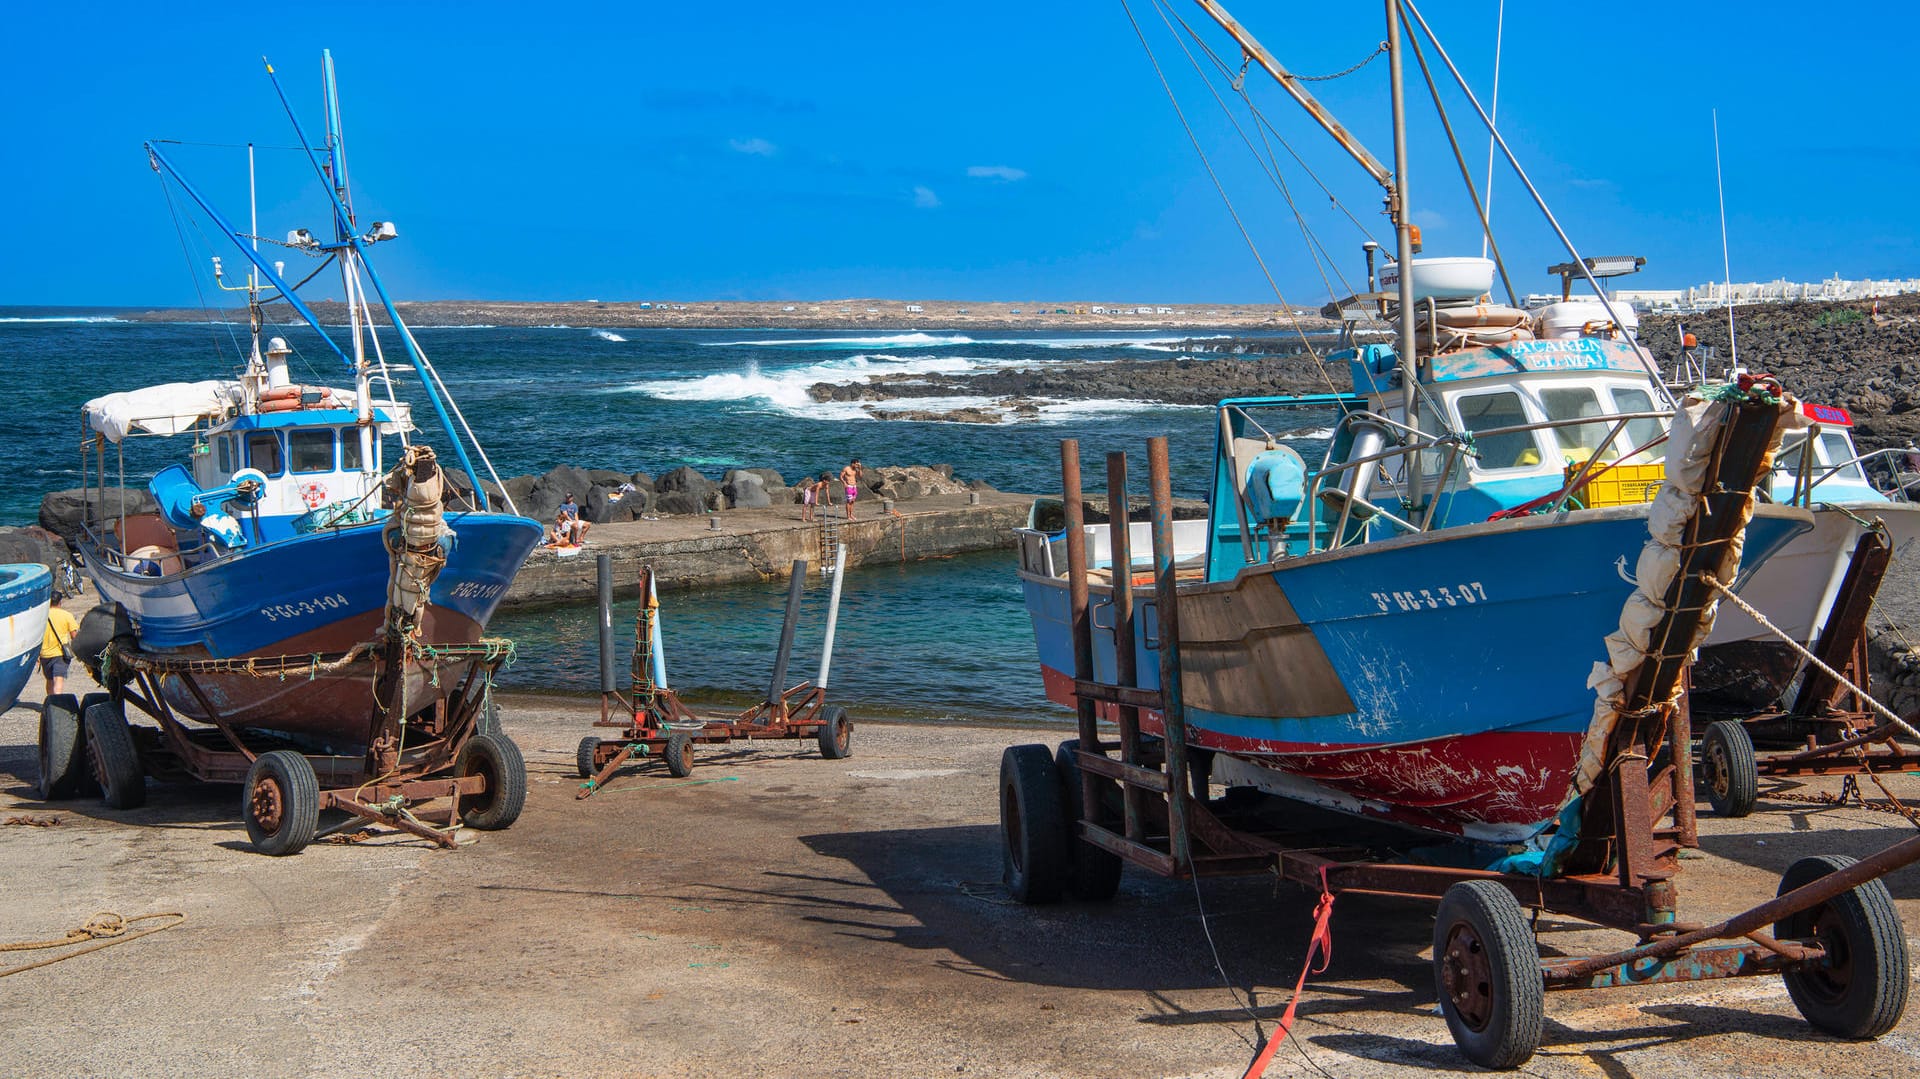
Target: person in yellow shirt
[[56, 647]]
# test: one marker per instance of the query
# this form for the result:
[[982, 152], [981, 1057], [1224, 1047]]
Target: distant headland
[[813, 315]]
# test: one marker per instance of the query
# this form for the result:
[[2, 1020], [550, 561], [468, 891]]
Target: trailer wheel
[[63, 748], [282, 806], [1093, 873], [1860, 990], [1728, 767], [583, 758], [1486, 967], [835, 734], [116, 761], [498, 759], [1033, 825], [679, 755]]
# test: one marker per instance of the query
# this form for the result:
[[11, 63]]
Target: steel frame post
[[1074, 504], [1125, 663]]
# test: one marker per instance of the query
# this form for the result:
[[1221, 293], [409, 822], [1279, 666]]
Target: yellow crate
[[1620, 485]]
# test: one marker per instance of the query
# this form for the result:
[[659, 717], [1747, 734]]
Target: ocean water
[[946, 639]]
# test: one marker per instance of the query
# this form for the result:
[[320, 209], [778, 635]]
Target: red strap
[[1321, 943]]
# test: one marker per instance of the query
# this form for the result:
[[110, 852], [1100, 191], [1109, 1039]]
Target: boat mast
[[343, 226], [1393, 182], [1403, 238]]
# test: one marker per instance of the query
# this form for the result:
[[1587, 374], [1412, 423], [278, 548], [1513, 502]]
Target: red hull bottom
[[1498, 786], [336, 708]]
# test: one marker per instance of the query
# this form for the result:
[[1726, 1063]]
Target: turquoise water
[[946, 638]]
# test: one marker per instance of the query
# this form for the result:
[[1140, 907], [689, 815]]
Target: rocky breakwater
[[1019, 391], [695, 530]]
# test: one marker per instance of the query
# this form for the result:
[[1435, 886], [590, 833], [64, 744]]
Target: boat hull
[[1742, 665], [1436, 681], [314, 595], [26, 594]]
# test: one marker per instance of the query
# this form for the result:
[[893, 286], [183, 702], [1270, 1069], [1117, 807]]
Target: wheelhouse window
[[223, 454], [310, 450], [263, 452], [1490, 411], [350, 449], [1578, 443], [1639, 432], [1836, 449]]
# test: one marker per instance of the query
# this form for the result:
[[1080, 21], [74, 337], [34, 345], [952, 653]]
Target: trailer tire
[[1093, 873], [63, 748], [282, 803], [1486, 969], [1729, 769], [116, 760], [1861, 991], [496, 757], [1033, 825], [583, 758], [835, 734], [679, 755]]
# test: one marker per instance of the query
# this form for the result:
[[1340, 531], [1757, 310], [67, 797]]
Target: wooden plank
[[1100, 691], [1131, 774]]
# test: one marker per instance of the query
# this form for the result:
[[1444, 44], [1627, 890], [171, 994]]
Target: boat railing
[[110, 555], [1455, 445], [1889, 459]]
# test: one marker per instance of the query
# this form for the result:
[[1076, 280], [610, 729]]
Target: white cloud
[[924, 197], [757, 147], [1004, 173]]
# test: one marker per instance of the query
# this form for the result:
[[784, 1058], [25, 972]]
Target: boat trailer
[[1831, 728], [1071, 818], [652, 720], [451, 750]]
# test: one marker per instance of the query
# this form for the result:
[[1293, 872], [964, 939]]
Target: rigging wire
[[1270, 164], [1499, 33], [1218, 186], [186, 254], [1466, 177]]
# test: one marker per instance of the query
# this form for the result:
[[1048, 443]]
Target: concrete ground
[[781, 915]]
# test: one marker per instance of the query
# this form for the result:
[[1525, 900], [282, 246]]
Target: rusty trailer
[[1132, 790], [651, 719], [449, 752], [1830, 728]]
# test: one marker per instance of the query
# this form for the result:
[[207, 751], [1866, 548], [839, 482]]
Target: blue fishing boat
[[26, 592], [1400, 595], [310, 581], [275, 537]]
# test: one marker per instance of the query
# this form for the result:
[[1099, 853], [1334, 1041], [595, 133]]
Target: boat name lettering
[[476, 590], [1431, 599], [305, 607]]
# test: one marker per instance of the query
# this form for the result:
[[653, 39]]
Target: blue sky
[[980, 151]]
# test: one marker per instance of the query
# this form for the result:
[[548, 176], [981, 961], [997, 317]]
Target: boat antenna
[[1726, 260], [1499, 32]]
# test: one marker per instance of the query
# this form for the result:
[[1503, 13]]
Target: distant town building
[[1717, 293], [914, 309]]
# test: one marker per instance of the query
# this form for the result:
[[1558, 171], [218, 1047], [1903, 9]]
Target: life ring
[[314, 494]]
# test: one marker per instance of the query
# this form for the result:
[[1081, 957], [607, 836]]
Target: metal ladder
[[830, 521]]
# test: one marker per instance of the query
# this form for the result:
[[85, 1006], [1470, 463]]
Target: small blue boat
[[26, 593]]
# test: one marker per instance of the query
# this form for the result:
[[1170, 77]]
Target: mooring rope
[[1882, 710], [105, 929]]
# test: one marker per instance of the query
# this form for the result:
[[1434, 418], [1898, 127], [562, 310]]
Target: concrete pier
[[760, 545]]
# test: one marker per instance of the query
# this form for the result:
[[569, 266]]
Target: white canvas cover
[[162, 410]]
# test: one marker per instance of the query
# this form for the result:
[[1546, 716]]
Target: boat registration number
[[1431, 599], [280, 611], [476, 590]]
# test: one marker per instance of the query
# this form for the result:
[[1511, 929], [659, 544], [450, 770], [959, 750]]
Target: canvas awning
[[162, 410]]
